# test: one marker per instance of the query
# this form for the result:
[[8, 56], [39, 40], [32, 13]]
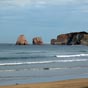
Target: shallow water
[[44, 63]]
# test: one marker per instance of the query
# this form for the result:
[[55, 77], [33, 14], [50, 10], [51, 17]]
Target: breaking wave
[[42, 62], [76, 55]]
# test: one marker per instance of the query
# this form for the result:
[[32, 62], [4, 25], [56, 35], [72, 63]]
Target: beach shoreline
[[72, 83]]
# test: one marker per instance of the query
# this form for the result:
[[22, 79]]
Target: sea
[[42, 63]]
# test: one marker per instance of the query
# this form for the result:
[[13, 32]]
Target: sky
[[42, 18]]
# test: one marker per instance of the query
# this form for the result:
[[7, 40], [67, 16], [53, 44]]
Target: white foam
[[42, 62], [7, 70], [76, 55]]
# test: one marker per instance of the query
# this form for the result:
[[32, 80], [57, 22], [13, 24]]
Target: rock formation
[[37, 41], [21, 40], [75, 38], [84, 40], [53, 41]]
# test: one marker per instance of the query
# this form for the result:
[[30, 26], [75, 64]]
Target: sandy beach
[[75, 83]]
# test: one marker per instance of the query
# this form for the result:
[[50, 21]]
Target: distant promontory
[[73, 38]]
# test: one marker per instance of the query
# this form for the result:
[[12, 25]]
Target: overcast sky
[[44, 18]]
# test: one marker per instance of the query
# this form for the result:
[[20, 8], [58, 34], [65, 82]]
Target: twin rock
[[22, 40]]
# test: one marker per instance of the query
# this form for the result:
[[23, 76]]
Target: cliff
[[74, 38]]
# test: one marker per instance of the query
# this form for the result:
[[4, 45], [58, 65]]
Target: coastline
[[73, 83]]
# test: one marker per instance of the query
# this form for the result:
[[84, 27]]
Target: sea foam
[[75, 55], [42, 62]]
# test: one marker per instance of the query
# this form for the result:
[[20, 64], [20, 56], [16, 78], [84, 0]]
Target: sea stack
[[21, 40], [37, 41], [73, 38]]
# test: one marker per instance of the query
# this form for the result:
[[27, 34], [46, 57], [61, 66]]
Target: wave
[[27, 57], [76, 55], [30, 52], [7, 58], [7, 70], [40, 69], [42, 56], [42, 62]]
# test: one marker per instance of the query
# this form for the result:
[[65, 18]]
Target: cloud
[[14, 3], [29, 3], [21, 3]]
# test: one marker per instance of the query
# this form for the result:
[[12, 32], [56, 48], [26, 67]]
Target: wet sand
[[75, 83]]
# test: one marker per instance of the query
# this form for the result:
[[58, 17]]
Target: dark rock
[[53, 41], [37, 41], [46, 68], [74, 38], [84, 40], [62, 39], [21, 40]]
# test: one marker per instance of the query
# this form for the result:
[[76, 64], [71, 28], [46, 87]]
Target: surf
[[42, 62], [75, 55]]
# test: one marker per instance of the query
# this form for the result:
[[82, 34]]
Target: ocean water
[[44, 63]]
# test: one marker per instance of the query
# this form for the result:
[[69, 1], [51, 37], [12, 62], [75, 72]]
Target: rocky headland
[[74, 38]]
